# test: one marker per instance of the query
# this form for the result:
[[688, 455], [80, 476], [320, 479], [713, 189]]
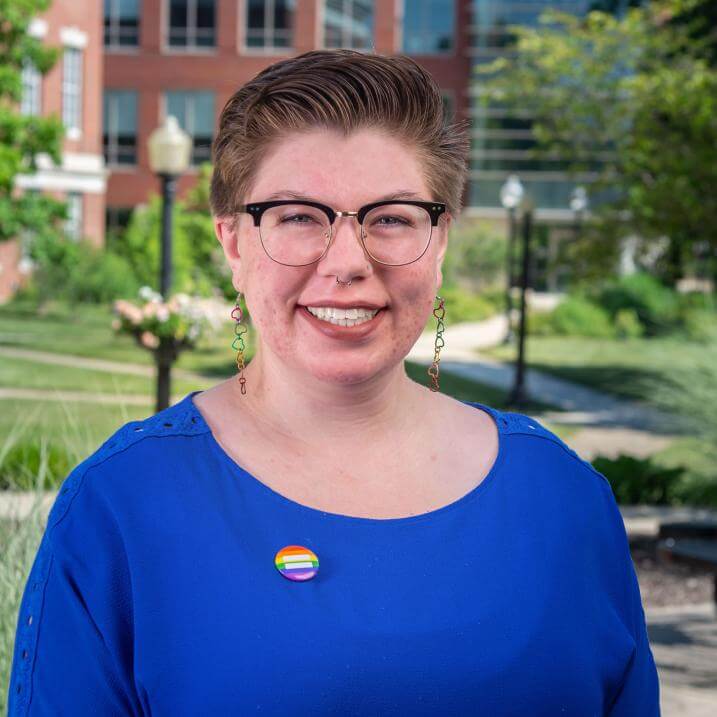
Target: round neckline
[[434, 514]]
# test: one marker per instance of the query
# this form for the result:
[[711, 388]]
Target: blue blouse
[[155, 591]]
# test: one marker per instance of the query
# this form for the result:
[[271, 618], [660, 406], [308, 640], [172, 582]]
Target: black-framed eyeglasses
[[299, 232]]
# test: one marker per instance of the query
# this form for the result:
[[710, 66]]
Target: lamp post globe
[[511, 193], [170, 148], [578, 206]]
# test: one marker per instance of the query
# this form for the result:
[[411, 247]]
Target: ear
[[228, 237], [444, 222]]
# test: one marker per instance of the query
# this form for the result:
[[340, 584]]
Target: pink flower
[[149, 340]]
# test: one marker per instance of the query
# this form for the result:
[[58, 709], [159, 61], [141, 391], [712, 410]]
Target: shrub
[[474, 257], [462, 305], [627, 324], [656, 306], [640, 480], [574, 316], [78, 272]]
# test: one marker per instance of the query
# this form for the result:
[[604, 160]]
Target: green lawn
[[635, 368], [64, 432]]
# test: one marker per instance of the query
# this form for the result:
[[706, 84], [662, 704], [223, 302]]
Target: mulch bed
[[663, 583]]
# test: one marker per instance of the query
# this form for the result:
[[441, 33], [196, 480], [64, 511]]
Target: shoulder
[[126, 461], [542, 466], [542, 439]]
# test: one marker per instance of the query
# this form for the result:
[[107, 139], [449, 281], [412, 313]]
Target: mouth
[[344, 328]]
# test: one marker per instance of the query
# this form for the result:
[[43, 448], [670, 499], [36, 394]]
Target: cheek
[[415, 302]]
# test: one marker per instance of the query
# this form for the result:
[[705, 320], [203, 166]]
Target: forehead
[[326, 166]]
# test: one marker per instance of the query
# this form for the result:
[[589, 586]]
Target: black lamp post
[[169, 156], [519, 396], [511, 194]]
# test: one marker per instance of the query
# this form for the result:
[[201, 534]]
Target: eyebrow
[[290, 194]]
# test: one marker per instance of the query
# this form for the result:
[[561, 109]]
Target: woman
[[320, 534]]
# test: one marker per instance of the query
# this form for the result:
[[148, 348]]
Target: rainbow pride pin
[[296, 562]]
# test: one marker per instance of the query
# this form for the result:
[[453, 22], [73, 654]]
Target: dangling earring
[[238, 343], [439, 312]]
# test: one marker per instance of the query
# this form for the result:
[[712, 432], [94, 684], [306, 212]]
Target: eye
[[393, 221], [290, 219]]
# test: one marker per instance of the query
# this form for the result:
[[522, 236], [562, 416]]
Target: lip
[[350, 333], [345, 304]]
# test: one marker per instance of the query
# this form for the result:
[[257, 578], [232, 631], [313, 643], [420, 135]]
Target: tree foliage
[[22, 138], [632, 100], [199, 266]]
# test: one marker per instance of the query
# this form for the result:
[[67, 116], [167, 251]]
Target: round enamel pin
[[296, 562]]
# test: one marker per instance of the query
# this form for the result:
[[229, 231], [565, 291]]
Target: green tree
[[632, 99], [198, 262], [23, 137]]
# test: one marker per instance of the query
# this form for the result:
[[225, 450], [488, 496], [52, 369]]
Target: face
[[344, 173]]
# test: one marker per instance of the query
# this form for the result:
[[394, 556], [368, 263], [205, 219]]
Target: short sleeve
[[639, 691], [73, 650]]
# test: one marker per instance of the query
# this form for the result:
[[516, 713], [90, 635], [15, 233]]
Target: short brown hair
[[343, 90]]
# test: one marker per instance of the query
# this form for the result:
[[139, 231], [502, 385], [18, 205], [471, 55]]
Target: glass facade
[[502, 140], [348, 23], [119, 121], [122, 23], [428, 26], [270, 23], [192, 24], [194, 110]]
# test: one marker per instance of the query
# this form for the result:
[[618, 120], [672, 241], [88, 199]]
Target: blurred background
[[579, 283]]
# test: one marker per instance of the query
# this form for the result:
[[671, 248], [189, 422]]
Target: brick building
[[187, 57], [72, 90]]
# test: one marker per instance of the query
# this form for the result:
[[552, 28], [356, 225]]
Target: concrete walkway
[[578, 404]]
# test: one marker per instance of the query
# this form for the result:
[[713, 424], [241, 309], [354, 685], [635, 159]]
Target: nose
[[345, 255]]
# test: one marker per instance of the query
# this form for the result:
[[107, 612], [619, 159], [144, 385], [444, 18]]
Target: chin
[[343, 375]]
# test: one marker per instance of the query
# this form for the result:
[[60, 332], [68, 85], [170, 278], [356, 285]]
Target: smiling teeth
[[342, 317]]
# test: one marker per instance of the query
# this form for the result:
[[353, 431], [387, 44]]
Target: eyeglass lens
[[297, 234]]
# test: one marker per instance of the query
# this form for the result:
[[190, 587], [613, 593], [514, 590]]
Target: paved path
[[93, 364], [683, 641], [577, 403]]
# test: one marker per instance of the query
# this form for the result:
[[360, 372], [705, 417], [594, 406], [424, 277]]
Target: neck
[[296, 404]]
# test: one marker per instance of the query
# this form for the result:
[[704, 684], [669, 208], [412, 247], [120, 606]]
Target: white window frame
[[111, 124], [270, 32], [191, 45], [347, 4], [75, 208], [72, 91], [116, 30], [31, 102], [190, 117]]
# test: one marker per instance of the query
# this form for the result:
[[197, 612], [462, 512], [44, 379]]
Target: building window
[[73, 225], [428, 26], [192, 23], [194, 111], [117, 220], [348, 23], [120, 126], [31, 90], [122, 23], [269, 23], [72, 89]]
